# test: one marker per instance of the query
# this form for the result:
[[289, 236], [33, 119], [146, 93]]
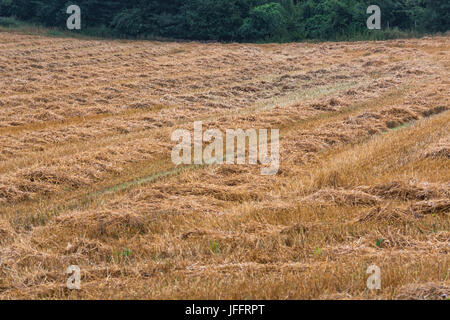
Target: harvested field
[[86, 176]]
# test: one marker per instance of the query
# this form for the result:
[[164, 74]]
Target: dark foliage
[[237, 20]]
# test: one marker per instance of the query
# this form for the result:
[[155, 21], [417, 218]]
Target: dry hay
[[11, 193], [92, 248], [406, 190], [424, 291], [105, 223], [6, 232], [219, 231], [431, 206], [439, 150], [387, 213], [344, 197], [53, 176]]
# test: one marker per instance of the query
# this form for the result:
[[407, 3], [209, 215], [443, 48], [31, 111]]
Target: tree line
[[237, 20]]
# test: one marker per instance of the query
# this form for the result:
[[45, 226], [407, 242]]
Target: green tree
[[265, 22], [237, 20], [437, 15]]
